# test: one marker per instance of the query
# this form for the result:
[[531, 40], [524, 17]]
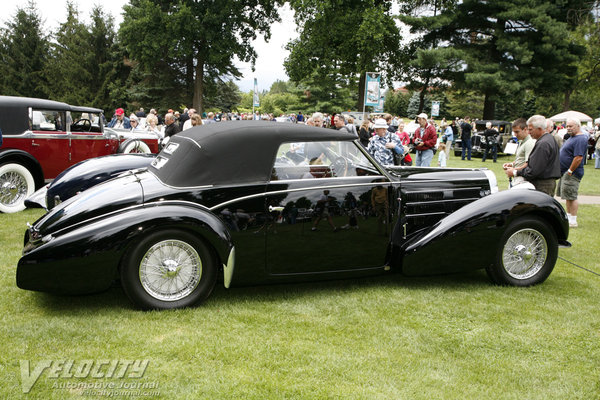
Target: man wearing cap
[[384, 143], [119, 121], [425, 140]]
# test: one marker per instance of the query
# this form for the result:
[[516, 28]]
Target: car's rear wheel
[[16, 184], [134, 146], [168, 269], [526, 255]]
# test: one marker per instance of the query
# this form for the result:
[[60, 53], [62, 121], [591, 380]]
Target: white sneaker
[[572, 224]]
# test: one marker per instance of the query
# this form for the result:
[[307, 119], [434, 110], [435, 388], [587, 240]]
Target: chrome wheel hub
[[524, 253], [170, 270], [13, 188]]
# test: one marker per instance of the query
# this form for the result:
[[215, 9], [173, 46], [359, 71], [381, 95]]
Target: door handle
[[35, 144], [271, 208]]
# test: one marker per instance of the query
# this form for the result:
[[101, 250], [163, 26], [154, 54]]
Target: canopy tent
[[563, 116]]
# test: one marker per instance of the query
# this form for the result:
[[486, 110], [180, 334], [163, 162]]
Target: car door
[[88, 141], [49, 141], [323, 213]]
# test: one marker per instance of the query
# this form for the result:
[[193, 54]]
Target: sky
[[269, 64]]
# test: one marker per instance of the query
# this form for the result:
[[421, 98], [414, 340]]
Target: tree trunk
[[423, 90], [199, 87], [567, 102], [361, 92], [489, 107], [189, 82]]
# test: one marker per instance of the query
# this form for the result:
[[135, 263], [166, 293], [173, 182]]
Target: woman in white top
[[152, 125]]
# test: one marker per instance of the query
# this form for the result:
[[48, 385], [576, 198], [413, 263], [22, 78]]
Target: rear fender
[[91, 251], [468, 238]]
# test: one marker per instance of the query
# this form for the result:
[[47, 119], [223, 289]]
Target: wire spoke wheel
[[13, 188], [16, 185], [524, 253], [170, 270]]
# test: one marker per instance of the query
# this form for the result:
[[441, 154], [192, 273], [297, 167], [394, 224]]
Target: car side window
[[48, 120], [310, 160]]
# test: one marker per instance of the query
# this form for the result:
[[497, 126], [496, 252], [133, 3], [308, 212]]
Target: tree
[[506, 46], [223, 96], [339, 42], [69, 68], [192, 42], [396, 102], [23, 54]]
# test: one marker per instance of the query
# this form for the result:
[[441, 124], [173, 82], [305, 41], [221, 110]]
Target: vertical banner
[[435, 108], [372, 89], [256, 101]]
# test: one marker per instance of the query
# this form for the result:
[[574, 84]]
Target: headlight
[[493, 181]]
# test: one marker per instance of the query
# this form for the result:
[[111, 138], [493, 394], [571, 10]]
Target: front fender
[[85, 258], [468, 238]]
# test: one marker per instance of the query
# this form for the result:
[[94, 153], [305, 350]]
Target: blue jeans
[[466, 145], [424, 158]]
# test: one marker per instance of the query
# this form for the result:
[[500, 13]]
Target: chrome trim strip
[[252, 196], [435, 190], [192, 140], [426, 214], [228, 268], [470, 200], [344, 177]]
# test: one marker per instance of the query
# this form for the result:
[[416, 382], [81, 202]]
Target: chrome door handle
[[35, 144], [271, 208]]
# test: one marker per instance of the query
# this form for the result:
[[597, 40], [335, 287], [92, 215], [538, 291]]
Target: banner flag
[[372, 89], [256, 101]]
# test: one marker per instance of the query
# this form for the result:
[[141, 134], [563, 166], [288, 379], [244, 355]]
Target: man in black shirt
[[543, 166], [465, 137], [491, 142], [171, 127]]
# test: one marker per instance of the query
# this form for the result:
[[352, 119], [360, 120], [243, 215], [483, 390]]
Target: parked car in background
[[478, 142], [202, 211], [41, 138]]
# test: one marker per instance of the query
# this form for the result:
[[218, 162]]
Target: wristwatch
[[569, 172]]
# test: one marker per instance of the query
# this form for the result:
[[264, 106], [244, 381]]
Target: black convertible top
[[232, 152], [14, 112]]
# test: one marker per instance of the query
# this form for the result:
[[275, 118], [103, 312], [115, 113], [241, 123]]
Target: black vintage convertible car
[[258, 202]]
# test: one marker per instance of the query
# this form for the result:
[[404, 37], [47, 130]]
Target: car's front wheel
[[526, 254], [16, 184], [168, 269]]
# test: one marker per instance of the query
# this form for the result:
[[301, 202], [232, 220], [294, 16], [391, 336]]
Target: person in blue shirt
[[571, 168], [448, 139]]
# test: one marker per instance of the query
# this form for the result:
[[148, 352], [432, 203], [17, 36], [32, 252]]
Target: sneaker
[[572, 224]]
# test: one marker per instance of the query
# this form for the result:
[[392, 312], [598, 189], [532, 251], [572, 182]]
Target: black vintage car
[[258, 202], [478, 140]]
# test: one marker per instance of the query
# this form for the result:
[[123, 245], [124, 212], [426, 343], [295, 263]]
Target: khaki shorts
[[568, 186]]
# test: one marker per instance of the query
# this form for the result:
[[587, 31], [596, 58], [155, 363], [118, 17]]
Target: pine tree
[[23, 54]]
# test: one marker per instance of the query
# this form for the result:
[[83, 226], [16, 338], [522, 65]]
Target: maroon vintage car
[[41, 138]]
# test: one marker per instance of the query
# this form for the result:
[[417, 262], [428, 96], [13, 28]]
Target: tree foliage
[[24, 54], [339, 41], [192, 42], [505, 47]]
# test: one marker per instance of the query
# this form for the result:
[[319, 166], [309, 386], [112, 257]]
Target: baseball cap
[[119, 111]]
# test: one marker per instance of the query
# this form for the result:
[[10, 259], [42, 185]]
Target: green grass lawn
[[590, 184], [450, 337]]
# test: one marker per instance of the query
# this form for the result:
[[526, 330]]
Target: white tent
[[563, 116]]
